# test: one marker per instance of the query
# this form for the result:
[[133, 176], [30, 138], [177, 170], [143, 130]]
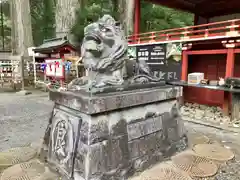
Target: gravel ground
[[24, 119], [230, 170]]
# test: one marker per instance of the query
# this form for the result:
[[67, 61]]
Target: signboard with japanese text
[[163, 59], [54, 68]]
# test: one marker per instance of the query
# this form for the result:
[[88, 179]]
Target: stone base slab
[[113, 144], [99, 103]]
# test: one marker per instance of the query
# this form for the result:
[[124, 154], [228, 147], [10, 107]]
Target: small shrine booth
[[62, 62]]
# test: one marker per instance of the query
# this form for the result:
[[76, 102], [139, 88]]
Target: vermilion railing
[[230, 28]]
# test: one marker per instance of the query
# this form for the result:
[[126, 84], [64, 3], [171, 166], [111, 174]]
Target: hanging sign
[[154, 56], [163, 60], [54, 68]]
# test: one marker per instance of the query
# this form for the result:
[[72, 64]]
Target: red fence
[[215, 30]]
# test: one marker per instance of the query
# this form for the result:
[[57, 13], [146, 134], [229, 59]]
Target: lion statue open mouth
[[104, 52]]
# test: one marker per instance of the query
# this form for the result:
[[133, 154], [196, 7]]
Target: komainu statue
[[104, 53]]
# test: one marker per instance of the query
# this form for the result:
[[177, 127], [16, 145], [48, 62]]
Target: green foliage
[[49, 17], [156, 18], [90, 12], [43, 20], [153, 17]]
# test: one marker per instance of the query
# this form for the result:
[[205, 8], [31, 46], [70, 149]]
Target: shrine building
[[211, 46]]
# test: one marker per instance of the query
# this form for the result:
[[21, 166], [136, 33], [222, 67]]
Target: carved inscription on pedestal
[[64, 136], [144, 127]]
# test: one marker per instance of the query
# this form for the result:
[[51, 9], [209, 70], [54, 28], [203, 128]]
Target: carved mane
[[104, 53], [114, 48]]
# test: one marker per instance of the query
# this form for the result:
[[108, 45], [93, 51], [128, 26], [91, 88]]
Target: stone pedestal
[[111, 136]]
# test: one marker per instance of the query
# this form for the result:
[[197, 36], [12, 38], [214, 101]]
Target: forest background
[[29, 22]]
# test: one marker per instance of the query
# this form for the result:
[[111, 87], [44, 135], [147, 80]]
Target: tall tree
[[5, 33], [43, 20], [21, 26], [65, 16], [123, 11], [130, 4], [125, 14]]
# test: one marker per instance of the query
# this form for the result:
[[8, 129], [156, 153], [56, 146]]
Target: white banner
[[54, 68]]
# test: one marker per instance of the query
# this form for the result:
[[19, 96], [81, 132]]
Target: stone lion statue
[[104, 52]]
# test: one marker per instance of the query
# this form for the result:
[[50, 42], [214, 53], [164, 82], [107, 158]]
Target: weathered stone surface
[[144, 127], [112, 101], [95, 132], [63, 139], [116, 141], [146, 145]]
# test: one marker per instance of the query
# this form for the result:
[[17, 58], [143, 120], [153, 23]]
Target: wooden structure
[[77, 68], [57, 50], [56, 47], [211, 46], [203, 10]]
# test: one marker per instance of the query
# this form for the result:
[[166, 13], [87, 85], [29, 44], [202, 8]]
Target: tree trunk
[[65, 16], [130, 15], [126, 12], [21, 27], [21, 36]]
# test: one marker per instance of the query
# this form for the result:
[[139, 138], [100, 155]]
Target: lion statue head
[[104, 46], [105, 56]]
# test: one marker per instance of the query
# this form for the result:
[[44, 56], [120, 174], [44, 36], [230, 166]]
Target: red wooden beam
[[215, 51], [229, 73], [184, 66], [197, 32], [209, 26], [230, 62], [237, 50], [137, 16]]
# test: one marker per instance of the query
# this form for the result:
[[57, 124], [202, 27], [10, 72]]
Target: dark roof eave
[[53, 48], [176, 4], [205, 8]]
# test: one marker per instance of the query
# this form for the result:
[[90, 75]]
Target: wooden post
[[234, 98], [184, 66], [230, 63], [34, 70], [22, 72], [63, 66], [235, 109], [229, 73], [137, 17]]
